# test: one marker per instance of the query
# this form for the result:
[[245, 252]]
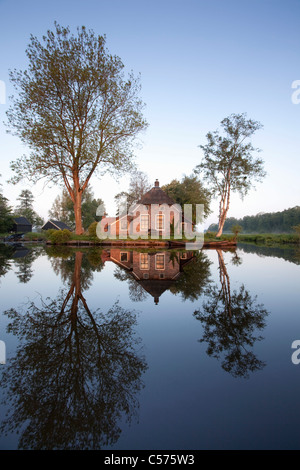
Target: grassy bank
[[266, 239], [270, 239]]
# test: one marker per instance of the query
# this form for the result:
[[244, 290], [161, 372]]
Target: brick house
[[156, 272], [155, 214]]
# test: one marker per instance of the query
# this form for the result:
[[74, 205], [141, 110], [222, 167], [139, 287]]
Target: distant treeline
[[273, 222]]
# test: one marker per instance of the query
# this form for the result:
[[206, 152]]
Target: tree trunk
[[77, 208], [224, 205], [77, 285], [221, 222], [225, 282]]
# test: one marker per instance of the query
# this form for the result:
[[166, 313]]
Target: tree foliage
[[25, 208], [189, 191], [63, 209], [139, 184], [75, 110], [6, 218], [228, 164], [269, 222]]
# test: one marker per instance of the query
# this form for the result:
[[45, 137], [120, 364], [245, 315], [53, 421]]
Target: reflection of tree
[[136, 291], [236, 260], [285, 251], [5, 262], [297, 255], [22, 257], [194, 279], [231, 321], [76, 373], [63, 261], [24, 264]]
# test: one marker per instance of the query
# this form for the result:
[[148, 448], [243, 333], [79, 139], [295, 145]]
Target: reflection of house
[[20, 252], [22, 225], [156, 272], [154, 213], [55, 225]]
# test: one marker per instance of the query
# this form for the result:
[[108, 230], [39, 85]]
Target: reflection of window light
[[144, 221], [160, 222], [124, 256], [144, 261], [159, 261], [2, 353]]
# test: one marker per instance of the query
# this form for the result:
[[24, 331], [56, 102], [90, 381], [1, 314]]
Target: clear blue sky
[[199, 61]]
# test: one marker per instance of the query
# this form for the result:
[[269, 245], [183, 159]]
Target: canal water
[[132, 349]]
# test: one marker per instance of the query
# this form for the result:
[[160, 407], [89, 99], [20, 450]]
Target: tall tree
[[25, 207], [75, 110], [189, 191], [139, 184], [63, 209], [6, 218], [228, 164]]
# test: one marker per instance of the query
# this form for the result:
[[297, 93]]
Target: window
[[144, 261], [145, 276], [161, 276], [124, 223], [124, 256], [160, 222], [144, 221], [183, 256], [159, 261]]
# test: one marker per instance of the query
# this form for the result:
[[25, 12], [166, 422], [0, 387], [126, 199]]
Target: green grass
[[269, 239], [266, 239]]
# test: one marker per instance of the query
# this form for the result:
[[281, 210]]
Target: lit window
[[160, 261], [144, 260], [144, 221], [160, 222]]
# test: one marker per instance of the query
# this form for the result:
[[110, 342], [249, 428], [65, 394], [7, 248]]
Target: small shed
[[55, 225], [22, 225]]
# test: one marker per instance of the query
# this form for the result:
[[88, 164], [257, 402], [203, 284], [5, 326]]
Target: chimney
[[156, 184]]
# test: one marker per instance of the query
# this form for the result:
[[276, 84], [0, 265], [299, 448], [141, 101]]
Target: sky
[[199, 61]]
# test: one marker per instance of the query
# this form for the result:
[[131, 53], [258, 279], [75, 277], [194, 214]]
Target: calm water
[[119, 349]]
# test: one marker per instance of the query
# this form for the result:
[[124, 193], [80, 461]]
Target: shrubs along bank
[[61, 237]]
